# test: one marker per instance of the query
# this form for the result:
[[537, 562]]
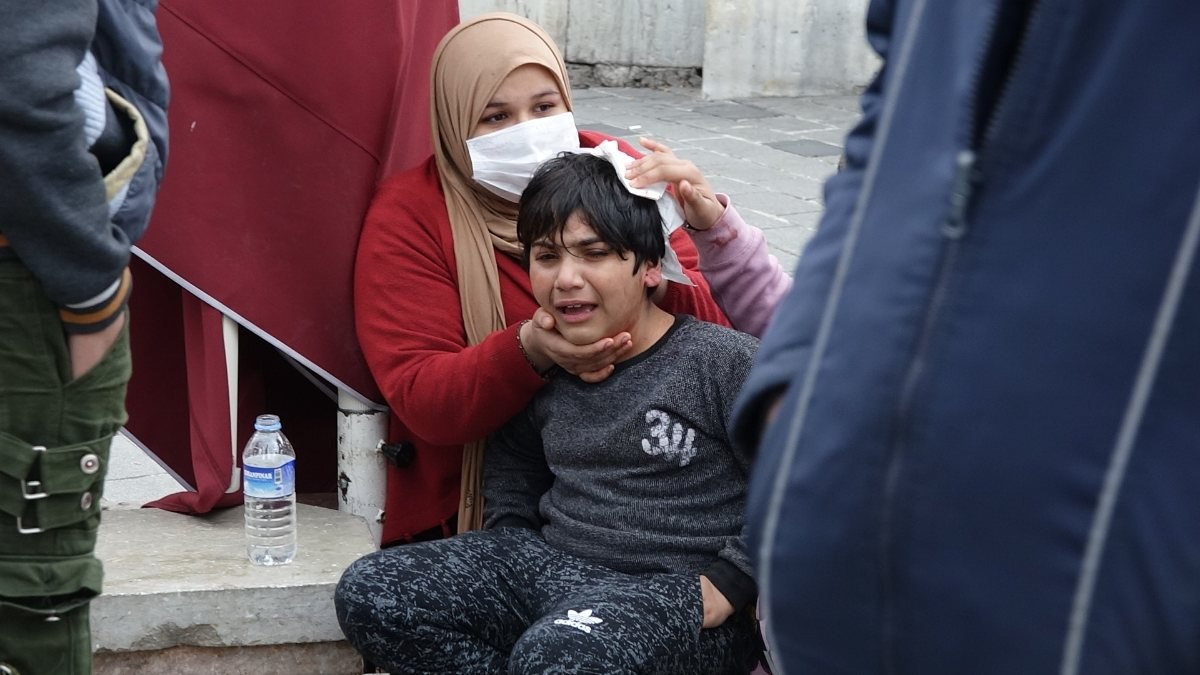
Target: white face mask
[[504, 161]]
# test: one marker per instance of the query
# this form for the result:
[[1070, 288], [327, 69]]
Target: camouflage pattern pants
[[54, 440], [503, 601]]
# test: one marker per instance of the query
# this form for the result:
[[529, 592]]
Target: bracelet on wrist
[[521, 346]]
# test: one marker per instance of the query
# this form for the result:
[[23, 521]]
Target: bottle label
[[269, 482]]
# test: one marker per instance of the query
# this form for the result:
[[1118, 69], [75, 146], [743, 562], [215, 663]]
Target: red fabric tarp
[[283, 116]]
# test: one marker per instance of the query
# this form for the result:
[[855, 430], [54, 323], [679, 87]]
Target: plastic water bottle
[[269, 488]]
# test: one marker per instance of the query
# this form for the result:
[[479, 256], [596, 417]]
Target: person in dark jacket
[[83, 99], [978, 412]]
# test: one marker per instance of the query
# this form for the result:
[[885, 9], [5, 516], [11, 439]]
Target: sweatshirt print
[[635, 472]]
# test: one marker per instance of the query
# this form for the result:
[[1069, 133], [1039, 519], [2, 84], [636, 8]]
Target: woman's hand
[[591, 363], [716, 605], [700, 205]]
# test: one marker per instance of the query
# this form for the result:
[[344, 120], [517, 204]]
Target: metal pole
[[229, 336], [362, 468]]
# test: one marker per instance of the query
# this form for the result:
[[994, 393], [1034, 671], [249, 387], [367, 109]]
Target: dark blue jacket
[[987, 454]]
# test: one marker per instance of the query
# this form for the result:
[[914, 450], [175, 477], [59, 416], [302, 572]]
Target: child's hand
[[716, 606], [700, 205], [591, 363]]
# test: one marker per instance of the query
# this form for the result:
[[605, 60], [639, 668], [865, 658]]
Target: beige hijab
[[468, 67]]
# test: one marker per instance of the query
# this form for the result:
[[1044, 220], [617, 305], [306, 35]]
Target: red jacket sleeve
[[409, 322]]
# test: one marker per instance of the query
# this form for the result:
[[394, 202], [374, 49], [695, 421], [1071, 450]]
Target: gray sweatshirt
[[55, 215], [636, 472]]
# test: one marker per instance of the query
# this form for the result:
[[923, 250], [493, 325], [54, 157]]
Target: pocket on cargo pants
[[47, 634]]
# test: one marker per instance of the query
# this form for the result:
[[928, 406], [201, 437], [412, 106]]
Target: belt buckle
[[28, 485]]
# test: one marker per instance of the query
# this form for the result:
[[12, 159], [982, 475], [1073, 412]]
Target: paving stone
[[807, 148], [776, 203], [813, 168], [587, 94], [135, 477], [849, 104], [745, 170], [786, 105], [136, 491], [734, 110], [652, 99], [804, 108], [807, 222], [799, 186], [836, 137], [602, 128], [673, 96], [768, 134], [831, 160], [677, 133], [790, 239], [128, 460], [622, 119], [721, 125], [731, 146]]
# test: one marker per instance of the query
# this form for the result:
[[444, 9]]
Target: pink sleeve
[[747, 281]]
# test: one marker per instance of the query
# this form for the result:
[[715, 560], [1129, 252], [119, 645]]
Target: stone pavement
[[771, 155]]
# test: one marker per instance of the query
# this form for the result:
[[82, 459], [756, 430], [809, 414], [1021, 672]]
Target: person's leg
[[610, 622], [54, 443], [451, 606]]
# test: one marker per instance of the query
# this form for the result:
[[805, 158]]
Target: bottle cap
[[267, 423]]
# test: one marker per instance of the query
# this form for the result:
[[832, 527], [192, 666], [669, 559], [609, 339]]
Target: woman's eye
[[545, 256], [494, 118], [596, 253], [545, 107]]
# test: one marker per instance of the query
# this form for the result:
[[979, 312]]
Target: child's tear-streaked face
[[590, 289]]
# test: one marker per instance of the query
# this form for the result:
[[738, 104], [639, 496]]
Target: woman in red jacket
[[441, 300]]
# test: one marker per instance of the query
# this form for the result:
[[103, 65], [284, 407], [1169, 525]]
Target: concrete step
[[180, 597]]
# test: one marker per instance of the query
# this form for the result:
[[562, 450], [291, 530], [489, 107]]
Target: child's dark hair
[[588, 185]]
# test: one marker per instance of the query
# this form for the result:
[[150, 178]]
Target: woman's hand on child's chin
[[591, 363], [716, 605], [700, 205]]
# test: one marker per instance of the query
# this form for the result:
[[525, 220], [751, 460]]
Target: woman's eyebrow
[[500, 103]]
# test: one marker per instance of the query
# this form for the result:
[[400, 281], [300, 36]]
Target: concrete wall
[[636, 32], [657, 33], [549, 14], [745, 47], [803, 47]]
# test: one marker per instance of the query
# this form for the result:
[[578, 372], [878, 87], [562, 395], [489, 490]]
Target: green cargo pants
[[54, 441]]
